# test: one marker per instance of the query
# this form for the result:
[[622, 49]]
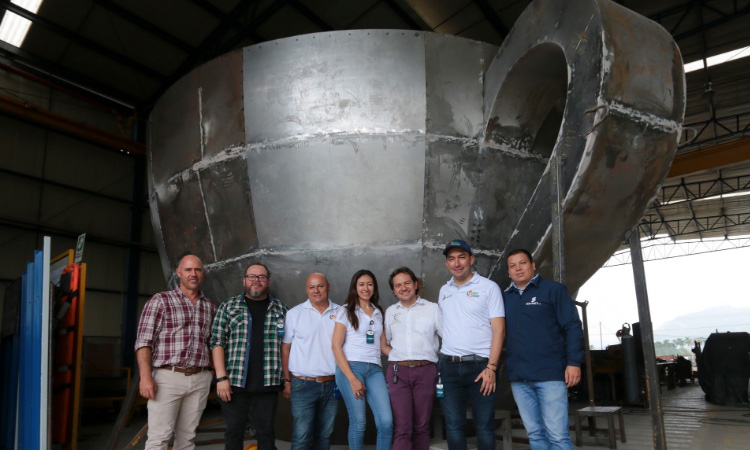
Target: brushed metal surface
[[369, 149]]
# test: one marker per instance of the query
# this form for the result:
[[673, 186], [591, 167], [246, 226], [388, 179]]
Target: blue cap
[[457, 243]]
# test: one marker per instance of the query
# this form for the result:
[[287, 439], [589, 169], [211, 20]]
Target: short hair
[[256, 264], [407, 271], [521, 250]]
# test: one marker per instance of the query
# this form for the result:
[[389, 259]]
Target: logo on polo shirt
[[472, 293], [533, 302], [333, 316]]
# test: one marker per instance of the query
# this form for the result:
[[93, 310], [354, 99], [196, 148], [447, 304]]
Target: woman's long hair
[[352, 299]]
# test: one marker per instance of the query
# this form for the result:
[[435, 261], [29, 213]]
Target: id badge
[[371, 334], [279, 326]]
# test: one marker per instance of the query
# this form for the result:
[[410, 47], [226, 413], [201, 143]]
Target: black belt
[[464, 358]]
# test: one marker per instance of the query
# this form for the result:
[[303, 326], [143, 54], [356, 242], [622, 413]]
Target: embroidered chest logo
[[333, 316], [533, 302], [472, 293]]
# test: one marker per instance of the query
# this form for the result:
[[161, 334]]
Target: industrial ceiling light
[[13, 28], [718, 59]]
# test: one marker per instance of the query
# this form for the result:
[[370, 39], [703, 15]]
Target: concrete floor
[[691, 423]]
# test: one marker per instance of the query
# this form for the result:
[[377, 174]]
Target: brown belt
[[186, 370], [419, 363], [318, 379]]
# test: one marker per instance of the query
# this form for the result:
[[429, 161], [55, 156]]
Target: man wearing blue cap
[[473, 334]]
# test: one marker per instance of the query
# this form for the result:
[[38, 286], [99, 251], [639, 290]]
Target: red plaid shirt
[[176, 330]]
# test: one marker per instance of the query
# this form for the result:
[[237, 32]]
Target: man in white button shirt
[[473, 334], [411, 342], [309, 366]]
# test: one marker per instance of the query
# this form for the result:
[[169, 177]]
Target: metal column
[[558, 246], [647, 341], [130, 302]]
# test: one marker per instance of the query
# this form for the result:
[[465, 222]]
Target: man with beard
[[246, 348], [173, 358]]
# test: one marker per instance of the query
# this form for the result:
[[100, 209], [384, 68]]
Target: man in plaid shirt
[[246, 349], [173, 358]]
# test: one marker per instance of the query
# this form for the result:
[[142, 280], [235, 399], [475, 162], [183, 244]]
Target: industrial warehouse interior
[[610, 138]]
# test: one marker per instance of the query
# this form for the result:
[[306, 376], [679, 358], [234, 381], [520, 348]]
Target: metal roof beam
[[17, 57], [311, 16], [404, 15], [710, 158], [492, 17], [46, 181], [61, 124], [714, 23], [148, 26], [253, 24], [59, 30], [227, 20]]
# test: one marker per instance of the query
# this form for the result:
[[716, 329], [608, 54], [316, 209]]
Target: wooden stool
[[504, 415], [602, 411]]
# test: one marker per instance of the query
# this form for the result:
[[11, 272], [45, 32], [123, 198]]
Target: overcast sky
[[716, 284]]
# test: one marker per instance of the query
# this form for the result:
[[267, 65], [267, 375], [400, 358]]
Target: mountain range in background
[[702, 324]]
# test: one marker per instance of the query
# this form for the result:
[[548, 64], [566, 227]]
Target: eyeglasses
[[261, 278]]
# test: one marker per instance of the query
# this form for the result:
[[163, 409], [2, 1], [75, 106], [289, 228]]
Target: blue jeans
[[371, 375], [314, 411], [460, 387], [544, 409]]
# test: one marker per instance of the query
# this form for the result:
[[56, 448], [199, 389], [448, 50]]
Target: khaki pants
[[177, 408]]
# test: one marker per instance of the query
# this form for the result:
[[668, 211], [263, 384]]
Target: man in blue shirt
[[544, 351]]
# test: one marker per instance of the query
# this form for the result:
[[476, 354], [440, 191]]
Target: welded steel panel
[[355, 81], [174, 129], [338, 192], [476, 193], [455, 85], [599, 145], [373, 148], [226, 193], [222, 116], [289, 271], [183, 220]]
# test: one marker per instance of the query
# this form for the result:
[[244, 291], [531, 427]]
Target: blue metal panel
[[24, 372], [36, 357]]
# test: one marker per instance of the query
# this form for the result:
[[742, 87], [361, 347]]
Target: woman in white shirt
[[359, 376]]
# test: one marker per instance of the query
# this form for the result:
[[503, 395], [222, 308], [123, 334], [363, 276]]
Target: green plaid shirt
[[230, 330]]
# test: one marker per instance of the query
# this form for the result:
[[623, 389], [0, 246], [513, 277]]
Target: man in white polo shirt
[[473, 334], [309, 366]]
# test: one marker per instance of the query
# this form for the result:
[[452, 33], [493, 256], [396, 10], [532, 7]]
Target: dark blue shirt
[[543, 332]]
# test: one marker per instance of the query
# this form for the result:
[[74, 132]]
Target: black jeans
[[263, 407]]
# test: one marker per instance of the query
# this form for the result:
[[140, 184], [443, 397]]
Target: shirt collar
[[419, 301], [182, 294], [357, 309], [474, 279], [308, 305], [532, 282]]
